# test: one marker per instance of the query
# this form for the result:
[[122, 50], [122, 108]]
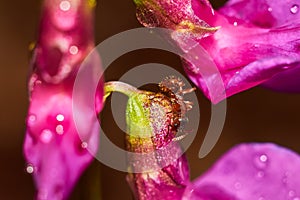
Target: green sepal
[[138, 116]]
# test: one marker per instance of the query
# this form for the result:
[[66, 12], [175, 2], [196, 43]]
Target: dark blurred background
[[257, 115]]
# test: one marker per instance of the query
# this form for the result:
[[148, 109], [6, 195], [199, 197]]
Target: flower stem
[[117, 86]]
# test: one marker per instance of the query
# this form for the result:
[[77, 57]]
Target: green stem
[[117, 86]]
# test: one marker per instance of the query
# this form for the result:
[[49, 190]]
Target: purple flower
[[55, 153], [158, 168], [250, 42]]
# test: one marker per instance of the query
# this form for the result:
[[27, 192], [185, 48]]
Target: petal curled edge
[[269, 14]]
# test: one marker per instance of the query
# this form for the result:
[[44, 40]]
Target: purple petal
[[269, 14], [263, 13], [246, 56], [251, 171], [52, 146], [248, 48], [287, 81], [55, 153], [65, 37]]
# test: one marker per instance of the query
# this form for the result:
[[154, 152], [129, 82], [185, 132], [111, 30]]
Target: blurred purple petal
[[55, 153], [250, 171]]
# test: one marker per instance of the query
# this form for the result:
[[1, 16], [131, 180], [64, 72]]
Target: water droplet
[[60, 117], [270, 9], [235, 23], [238, 185], [263, 158], [46, 136], [65, 5], [31, 119], [260, 174], [29, 169], [292, 193], [73, 50], [261, 161], [294, 9], [59, 129], [285, 178], [84, 145]]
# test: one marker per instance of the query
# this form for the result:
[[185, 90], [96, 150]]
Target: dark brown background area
[[257, 115]]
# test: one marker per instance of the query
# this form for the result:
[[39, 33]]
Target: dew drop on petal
[[60, 117], [235, 23], [46, 136], [270, 9], [59, 129], [260, 174], [31, 119], [65, 5], [284, 180], [292, 193], [29, 169], [73, 50], [263, 158], [294, 9], [261, 161], [238, 185], [84, 145]]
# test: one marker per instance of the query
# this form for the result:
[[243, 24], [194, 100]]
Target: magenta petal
[[263, 13], [287, 81], [246, 57], [52, 145], [257, 72], [168, 183], [247, 34], [251, 171], [55, 151], [269, 14]]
